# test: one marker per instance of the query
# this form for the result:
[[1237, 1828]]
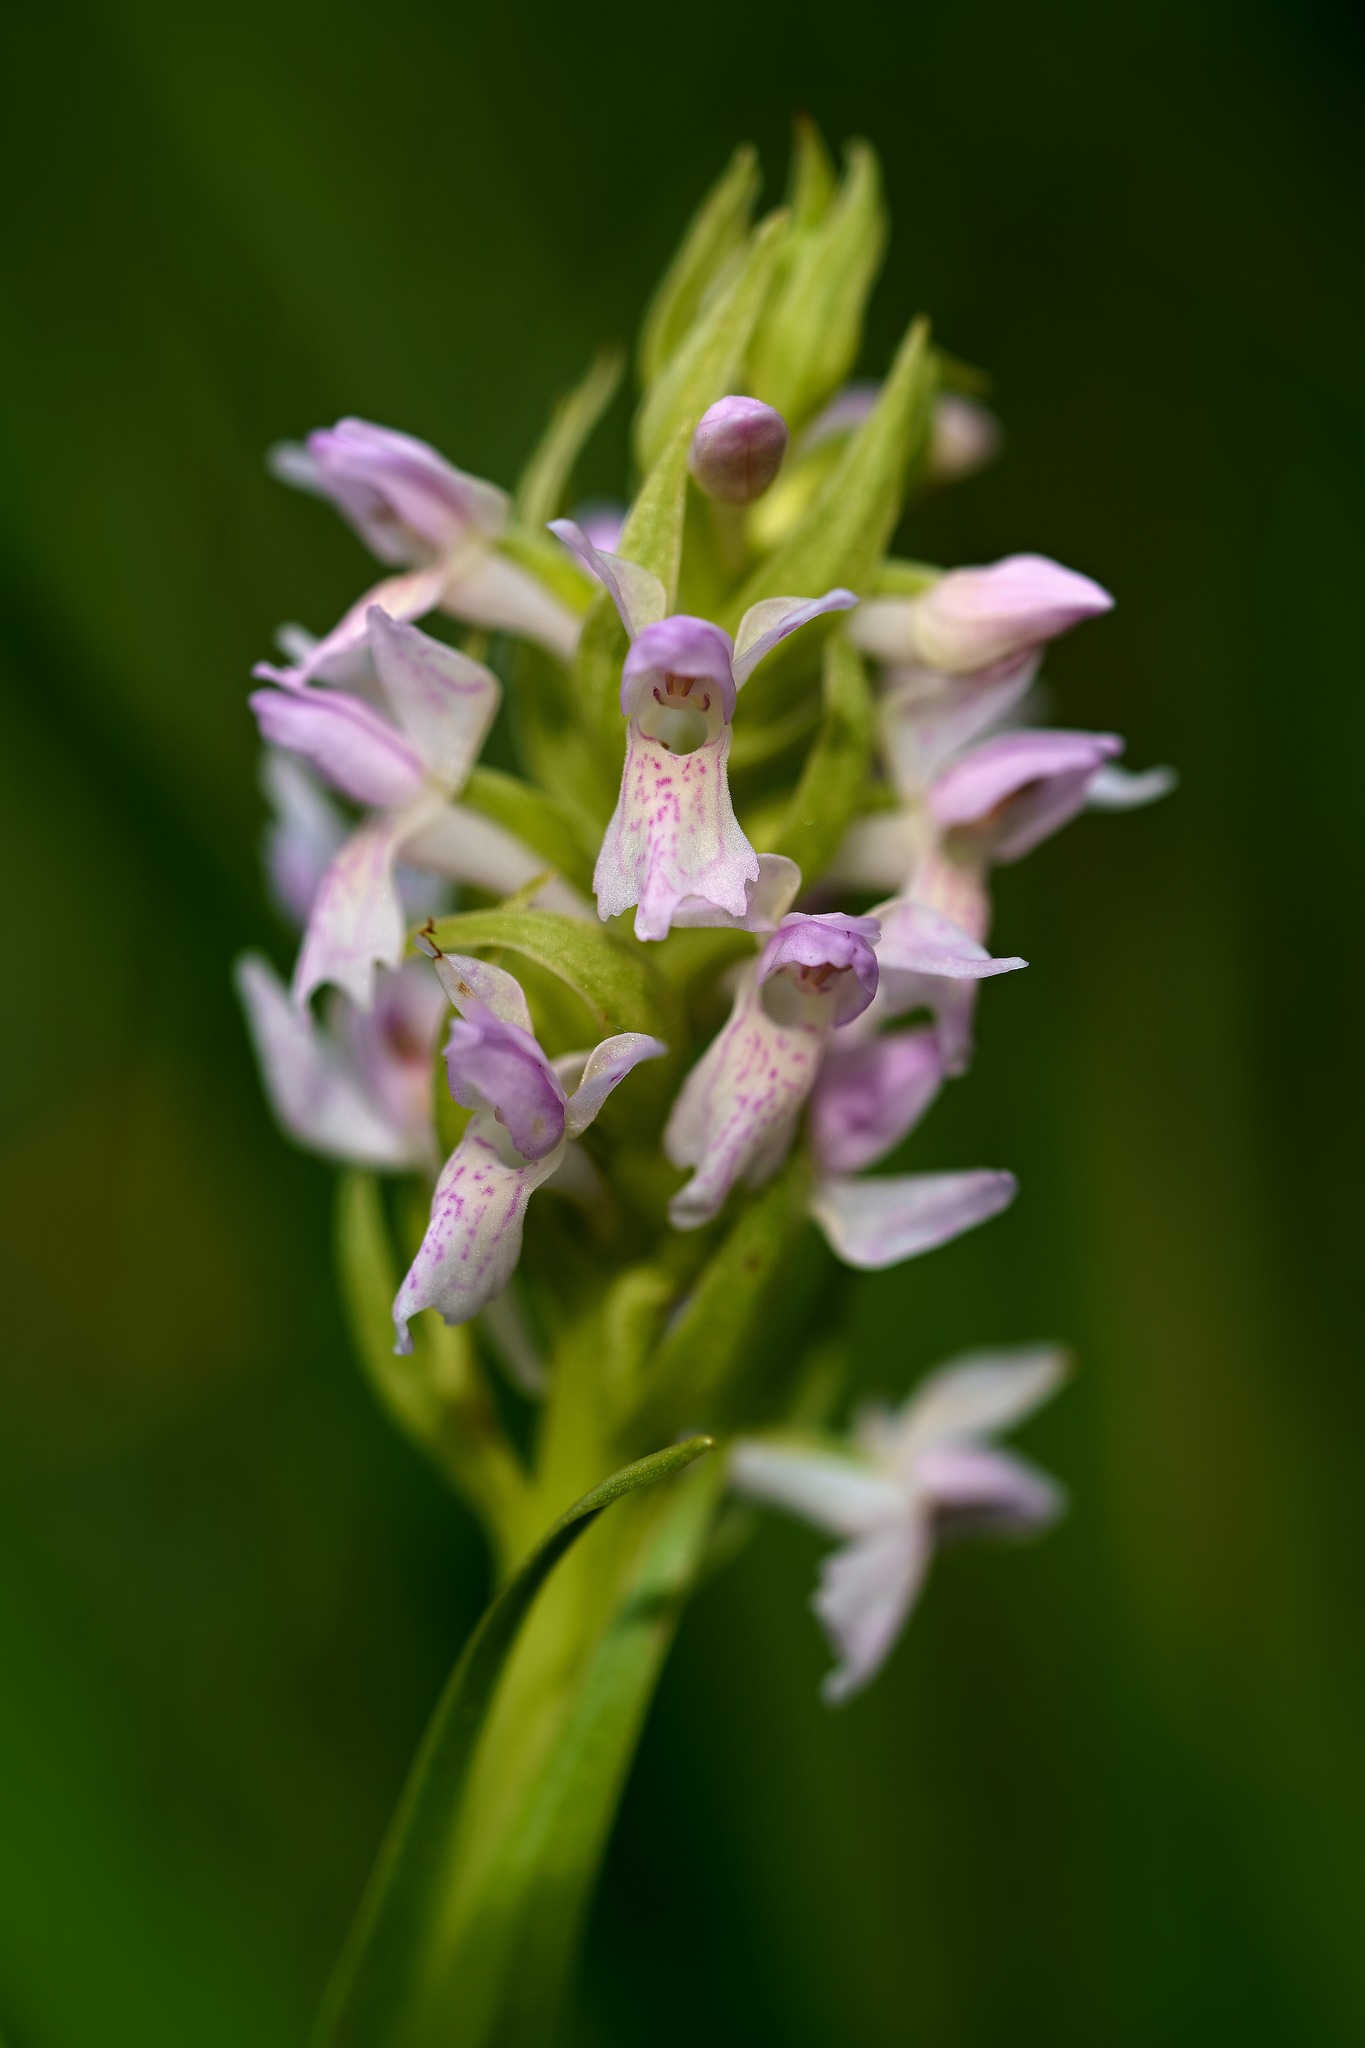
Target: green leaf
[[717, 231], [846, 531], [811, 331], [539, 820], [526, 1939], [545, 479], [617, 985], [812, 179], [706, 364], [438, 1394], [827, 797], [697, 1367], [392, 1984]]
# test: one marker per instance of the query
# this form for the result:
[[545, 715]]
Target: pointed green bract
[[545, 479], [390, 1989], [810, 334], [846, 531], [826, 799], [707, 361], [617, 985], [548, 827], [716, 232]]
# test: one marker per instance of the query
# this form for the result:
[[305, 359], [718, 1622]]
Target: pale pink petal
[[964, 437], [392, 1047], [981, 1393], [316, 1094], [864, 1598], [357, 920], [765, 625], [929, 962], [334, 657], [978, 1491], [473, 1240], [464, 846], [870, 1096], [739, 1103], [496, 1066], [973, 618], [304, 833], [830, 955], [353, 747], [472, 984], [674, 836], [1116, 789], [845, 412], [879, 1222], [636, 592], [769, 899], [606, 1065], [486, 588], [926, 717], [443, 701], [838, 1493], [402, 498], [1014, 791]]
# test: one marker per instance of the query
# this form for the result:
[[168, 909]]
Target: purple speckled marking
[[674, 835]]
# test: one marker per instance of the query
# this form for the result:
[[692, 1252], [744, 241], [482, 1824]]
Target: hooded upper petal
[[494, 1065], [679, 646], [830, 955], [879, 1222]]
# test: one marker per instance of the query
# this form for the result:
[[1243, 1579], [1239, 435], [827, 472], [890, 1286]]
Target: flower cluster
[[872, 717]]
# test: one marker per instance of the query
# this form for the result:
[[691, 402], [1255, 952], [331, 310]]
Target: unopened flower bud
[[963, 438], [737, 449]]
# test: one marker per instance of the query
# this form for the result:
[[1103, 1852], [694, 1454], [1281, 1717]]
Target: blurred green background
[[1112, 1788]]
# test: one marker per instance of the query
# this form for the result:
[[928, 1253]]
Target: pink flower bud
[[737, 449]]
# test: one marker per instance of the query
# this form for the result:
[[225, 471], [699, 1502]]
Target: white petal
[[464, 846], [410, 595], [769, 899], [772, 620], [981, 1393], [841, 1494], [357, 921], [444, 702], [674, 837], [739, 1104], [317, 1098], [878, 1222], [977, 1490], [607, 1064], [473, 1240], [1116, 789], [637, 593], [926, 717], [884, 627], [864, 1599], [488, 589]]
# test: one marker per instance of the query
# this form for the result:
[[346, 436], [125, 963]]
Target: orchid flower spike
[[674, 848], [528, 1110], [404, 749], [357, 1088], [441, 528], [974, 619], [912, 1479]]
